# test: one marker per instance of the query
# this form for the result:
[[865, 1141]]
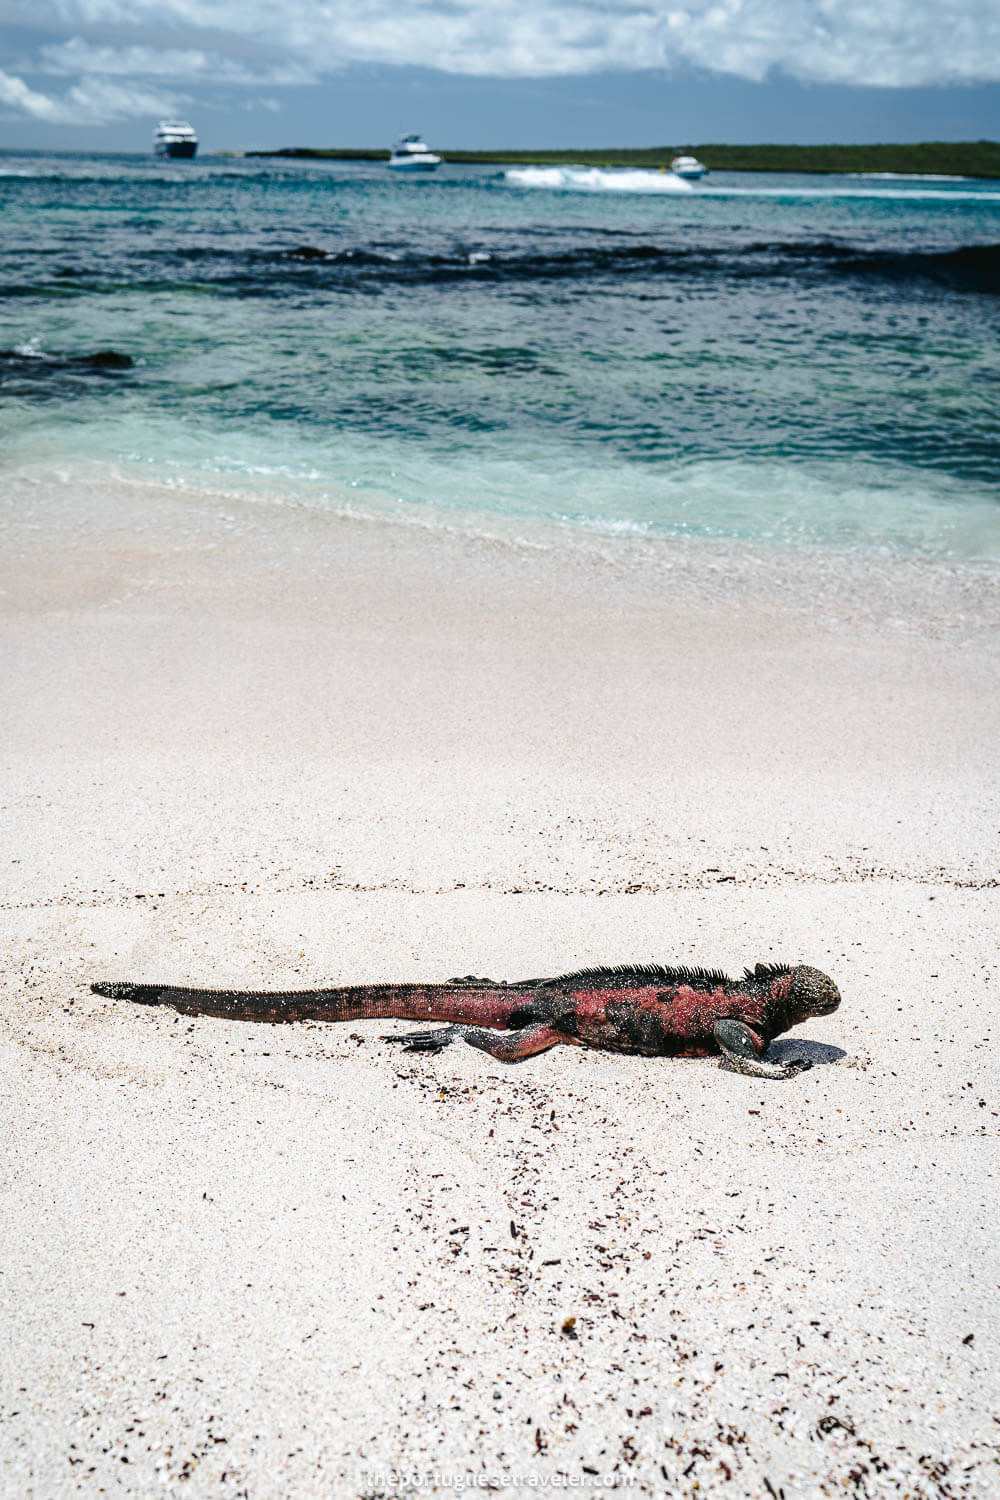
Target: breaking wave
[[597, 180]]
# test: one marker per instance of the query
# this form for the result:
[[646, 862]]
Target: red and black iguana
[[648, 1010]]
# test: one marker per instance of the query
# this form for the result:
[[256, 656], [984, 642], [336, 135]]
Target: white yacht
[[412, 154], [174, 138], [688, 167]]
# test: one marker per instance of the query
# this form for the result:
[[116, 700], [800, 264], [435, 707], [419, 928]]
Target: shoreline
[[266, 745], [976, 159], [890, 588]]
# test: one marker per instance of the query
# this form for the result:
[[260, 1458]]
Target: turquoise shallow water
[[801, 360]]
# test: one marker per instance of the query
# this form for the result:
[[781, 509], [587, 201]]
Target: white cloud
[[892, 43], [99, 100], [93, 101], [16, 95], [77, 56]]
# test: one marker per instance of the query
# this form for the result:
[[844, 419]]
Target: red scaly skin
[[650, 1011]]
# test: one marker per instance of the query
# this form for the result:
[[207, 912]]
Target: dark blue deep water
[[800, 359]]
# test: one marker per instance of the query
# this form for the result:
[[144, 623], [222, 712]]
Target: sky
[[253, 74]]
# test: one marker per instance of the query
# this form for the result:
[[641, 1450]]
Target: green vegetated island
[[949, 158]]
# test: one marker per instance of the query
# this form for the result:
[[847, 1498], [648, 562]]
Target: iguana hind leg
[[508, 1046], [742, 1052]]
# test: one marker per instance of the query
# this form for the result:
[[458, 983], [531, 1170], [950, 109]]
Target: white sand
[[278, 749]]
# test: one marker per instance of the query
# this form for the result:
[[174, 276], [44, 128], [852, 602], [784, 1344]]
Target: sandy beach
[[259, 746]]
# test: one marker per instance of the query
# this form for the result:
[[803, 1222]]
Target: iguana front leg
[[742, 1052], [508, 1046]]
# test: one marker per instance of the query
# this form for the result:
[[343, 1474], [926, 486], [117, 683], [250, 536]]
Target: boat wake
[[596, 180]]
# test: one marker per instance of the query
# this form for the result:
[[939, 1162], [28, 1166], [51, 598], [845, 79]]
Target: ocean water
[[806, 361]]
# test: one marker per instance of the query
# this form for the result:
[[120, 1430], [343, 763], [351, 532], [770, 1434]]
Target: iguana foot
[[498, 984], [427, 1041], [755, 1068], [742, 1052]]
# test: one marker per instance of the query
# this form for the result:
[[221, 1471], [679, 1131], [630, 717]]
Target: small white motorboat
[[688, 167], [412, 154]]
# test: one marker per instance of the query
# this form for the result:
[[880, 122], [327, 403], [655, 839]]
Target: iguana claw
[[757, 1068]]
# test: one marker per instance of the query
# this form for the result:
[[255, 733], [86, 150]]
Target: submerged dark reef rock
[[30, 372]]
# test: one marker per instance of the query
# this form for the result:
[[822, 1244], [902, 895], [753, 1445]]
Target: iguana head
[[811, 993]]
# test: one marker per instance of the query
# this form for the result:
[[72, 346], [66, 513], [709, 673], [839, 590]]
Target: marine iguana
[[643, 1009]]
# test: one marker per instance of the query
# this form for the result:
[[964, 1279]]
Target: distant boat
[[688, 167], [412, 154], [174, 138]]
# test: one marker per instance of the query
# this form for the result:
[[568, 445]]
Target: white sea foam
[[856, 191], [612, 525], [596, 180], [913, 176], [851, 185]]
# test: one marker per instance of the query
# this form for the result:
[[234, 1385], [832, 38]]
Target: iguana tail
[[471, 1002]]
